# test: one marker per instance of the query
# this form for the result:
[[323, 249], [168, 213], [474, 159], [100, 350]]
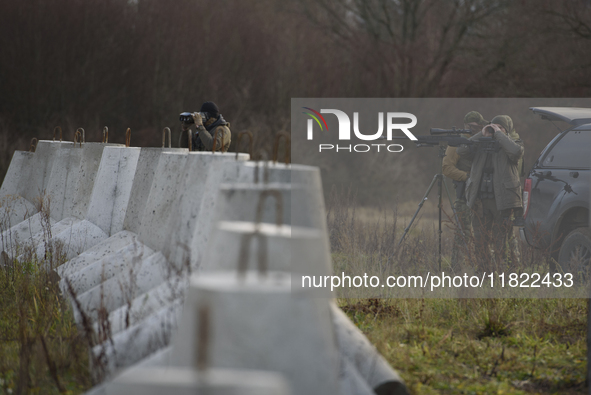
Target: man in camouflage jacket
[[493, 189], [458, 169]]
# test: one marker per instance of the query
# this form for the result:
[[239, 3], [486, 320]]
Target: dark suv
[[556, 191]]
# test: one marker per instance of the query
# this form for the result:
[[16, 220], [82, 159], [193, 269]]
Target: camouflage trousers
[[462, 237], [494, 238]]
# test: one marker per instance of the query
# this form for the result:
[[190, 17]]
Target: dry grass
[[367, 240], [41, 350]]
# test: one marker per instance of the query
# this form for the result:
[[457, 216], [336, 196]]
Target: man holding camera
[[212, 130], [458, 169], [493, 189]]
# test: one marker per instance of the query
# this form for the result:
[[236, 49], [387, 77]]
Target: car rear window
[[571, 151]]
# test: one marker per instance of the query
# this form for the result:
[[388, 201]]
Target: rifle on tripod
[[452, 138], [443, 138]]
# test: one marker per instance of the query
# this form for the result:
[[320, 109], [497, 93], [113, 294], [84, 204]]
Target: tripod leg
[[423, 200], [440, 193], [451, 203]]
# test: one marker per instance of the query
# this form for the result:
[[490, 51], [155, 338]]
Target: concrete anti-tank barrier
[[142, 184], [63, 179], [22, 234], [355, 347], [203, 172], [38, 242], [227, 234], [238, 202], [75, 239], [35, 177], [13, 207], [185, 381], [138, 341], [200, 173], [103, 269], [283, 174], [26, 190], [72, 175], [145, 304], [148, 329], [90, 272], [125, 287], [287, 324], [18, 165], [97, 252], [265, 174], [112, 188], [288, 248], [152, 327], [351, 382], [88, 170], [160, 204], [233, 204], [163, 190], [233, 172]]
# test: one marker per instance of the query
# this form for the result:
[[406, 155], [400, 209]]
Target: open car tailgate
[[572, 115]]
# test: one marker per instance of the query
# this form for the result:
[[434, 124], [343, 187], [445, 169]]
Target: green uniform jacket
[[506, 181], [223, 138], [454, 167]]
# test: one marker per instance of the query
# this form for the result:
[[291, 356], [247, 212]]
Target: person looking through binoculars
[[493, 188], [210, 127]]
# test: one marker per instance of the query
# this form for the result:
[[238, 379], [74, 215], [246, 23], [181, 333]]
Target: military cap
[[505, 121], [475, 116]]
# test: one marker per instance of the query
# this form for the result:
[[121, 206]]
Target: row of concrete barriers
[[179, 266]]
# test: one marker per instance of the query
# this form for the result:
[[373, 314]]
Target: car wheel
[[575, 253]]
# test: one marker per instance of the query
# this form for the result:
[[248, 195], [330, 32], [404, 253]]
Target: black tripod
[[440, 182]]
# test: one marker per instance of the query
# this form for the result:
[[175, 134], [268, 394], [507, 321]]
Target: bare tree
[[571, 16], [410, 46]]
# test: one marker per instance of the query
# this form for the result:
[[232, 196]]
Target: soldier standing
[[458, 169], [493, 188]]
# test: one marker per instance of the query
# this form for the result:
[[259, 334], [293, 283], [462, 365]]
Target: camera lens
[[186, 117]]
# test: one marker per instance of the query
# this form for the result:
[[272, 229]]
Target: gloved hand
[[198, 119], [499, 128]]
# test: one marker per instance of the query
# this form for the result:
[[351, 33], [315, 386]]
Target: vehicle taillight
[[526, 196]]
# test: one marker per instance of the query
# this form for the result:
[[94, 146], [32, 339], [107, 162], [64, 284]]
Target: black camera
[[187, 117]]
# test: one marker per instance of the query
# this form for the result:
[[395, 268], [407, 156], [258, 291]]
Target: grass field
[[456, 346], [479, 346]]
